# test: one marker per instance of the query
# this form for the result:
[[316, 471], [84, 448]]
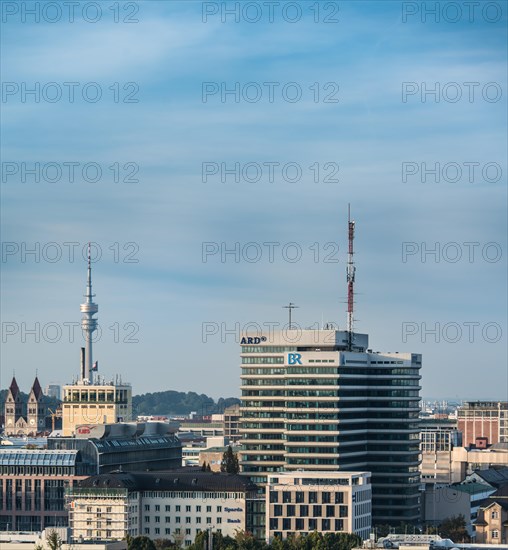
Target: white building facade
[[160, 505]]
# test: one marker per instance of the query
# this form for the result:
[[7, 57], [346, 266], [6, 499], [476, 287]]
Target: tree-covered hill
[[179, 403]]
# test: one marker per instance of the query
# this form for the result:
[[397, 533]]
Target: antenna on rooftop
[[290, 307], [350, 271]]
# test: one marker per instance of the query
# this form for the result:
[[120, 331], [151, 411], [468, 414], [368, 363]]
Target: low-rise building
[[32, 482], [173, 505], [306, 501], [492, 523]]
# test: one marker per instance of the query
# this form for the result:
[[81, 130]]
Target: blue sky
[[369, 133]]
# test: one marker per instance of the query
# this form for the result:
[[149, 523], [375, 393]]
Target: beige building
[[85, 403], [302, 502], [232, 423], [492, 523], [173, 505]]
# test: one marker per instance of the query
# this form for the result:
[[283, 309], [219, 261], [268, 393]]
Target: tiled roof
[[191, 481]]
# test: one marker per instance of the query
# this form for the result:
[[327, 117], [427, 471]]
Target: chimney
[[83, 374]]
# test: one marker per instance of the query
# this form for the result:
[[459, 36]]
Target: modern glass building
[[310, 404]]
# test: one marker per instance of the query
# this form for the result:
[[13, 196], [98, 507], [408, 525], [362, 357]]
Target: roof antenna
[[350, 271], [290, 306]]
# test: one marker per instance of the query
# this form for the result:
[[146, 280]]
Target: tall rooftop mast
[[350, 271], [88, 322]]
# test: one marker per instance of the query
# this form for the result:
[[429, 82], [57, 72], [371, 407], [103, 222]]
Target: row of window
[[178, 508], [178, 519], [286, 524]]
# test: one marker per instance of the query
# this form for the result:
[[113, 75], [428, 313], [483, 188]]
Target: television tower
[[350, 271], [88, 323]]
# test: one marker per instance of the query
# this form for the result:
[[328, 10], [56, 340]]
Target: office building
[[328, 502], [483, 419], [311, 401], [172, 505], [32, 482]]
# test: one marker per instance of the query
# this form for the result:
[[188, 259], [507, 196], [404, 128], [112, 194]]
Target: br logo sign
[[294, 358]]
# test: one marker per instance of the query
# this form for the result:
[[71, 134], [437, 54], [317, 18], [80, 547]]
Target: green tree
[[454, 528], [229, 462], [140, 543], [53, 540]]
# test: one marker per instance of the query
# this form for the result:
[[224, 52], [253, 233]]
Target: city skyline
[[161, 279]]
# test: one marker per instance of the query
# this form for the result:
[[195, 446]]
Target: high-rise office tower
[[321, 400]]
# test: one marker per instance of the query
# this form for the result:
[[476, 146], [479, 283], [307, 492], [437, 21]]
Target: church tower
[[36, 409], [13, 408]]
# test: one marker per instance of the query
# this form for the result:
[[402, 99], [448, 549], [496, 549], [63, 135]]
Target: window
[[167, 531], [157, 519], [494, 515], [325, 498], [198, 508], [495, 534], [219, 520], [330, 511], [325, 524], [286, 524], [312, 524], [343, 511], [299, 524], [147, 507], [277, 510], [300, 497], [187, 520], [274, 497], [339, 525], [187, 531], [157, 508], [147, 519], [177, 519], [304, 511], [286, 496], [208, 508], [177, 508], [147, 531], [312, 497], [274, 523], [290, 512], [339, 498], [187, 508], [167, 519], [157, 531], [198, 520], [317, 511], [219, 509], [208, 520]]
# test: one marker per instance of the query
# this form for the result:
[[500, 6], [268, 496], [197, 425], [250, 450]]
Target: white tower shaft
[[88, 322]]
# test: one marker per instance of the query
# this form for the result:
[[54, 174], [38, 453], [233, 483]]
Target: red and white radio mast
[[350, 270]]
